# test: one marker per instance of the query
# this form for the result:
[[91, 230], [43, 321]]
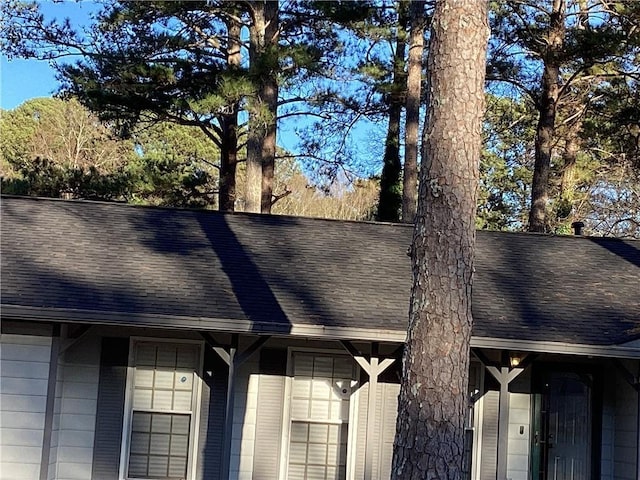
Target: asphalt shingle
[[277, 271]]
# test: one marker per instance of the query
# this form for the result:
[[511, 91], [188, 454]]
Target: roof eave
[[563, 348], [227, 325], [321, 332]]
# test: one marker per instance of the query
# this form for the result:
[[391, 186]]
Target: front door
[[562, 441]]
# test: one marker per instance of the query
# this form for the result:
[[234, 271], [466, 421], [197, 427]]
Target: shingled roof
[[117, 264]]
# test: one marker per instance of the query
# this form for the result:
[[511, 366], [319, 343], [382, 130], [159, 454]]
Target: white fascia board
[[15, 312], [608, 351], [320, 332]]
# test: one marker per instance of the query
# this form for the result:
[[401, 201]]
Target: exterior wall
[[608, 427], [271, 414], [24, 370], [384, 428], [75, 412], [489, 435], [359, 431], [244, 421], [625, 436], [271, 402], [53, 453], [109, 418], [259, 416], [519, 443], [389, 407], [212, 408]]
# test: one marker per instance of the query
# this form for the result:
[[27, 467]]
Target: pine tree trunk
[[567, 191], [414, 84], [390, 202], [253, 167], [261, 141], [433, 396], [269, 95], [229, 123], [570, 159], [546, 123], [228, 167]]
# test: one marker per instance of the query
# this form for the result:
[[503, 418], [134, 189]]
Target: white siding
[[489, 435], [388, 415], [53, 453], [75, 412], [625, 441], [384, 429], [519, 420], [244, 420], [360, 431], [24, 368], [270, 429]]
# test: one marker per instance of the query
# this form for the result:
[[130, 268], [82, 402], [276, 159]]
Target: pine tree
[[433, 395]]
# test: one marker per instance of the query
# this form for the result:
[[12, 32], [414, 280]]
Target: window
[[319, 428], [161, 411]]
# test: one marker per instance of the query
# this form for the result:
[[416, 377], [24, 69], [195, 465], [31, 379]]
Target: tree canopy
[[560, 129]]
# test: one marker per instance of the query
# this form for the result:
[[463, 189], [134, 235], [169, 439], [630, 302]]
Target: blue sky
[[21, 80], [25, 79]]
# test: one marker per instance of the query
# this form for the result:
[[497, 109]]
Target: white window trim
[[128, 402], [286, 416]]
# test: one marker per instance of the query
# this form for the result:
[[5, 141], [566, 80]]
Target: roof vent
[[577, 227]]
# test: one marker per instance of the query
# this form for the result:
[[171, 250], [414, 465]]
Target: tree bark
[[414, 84], [550, 89], [570, 158], [269, 95], [229, 124], [567, 189], [261, 141], [390, 202], [253, 172], [433, 397]]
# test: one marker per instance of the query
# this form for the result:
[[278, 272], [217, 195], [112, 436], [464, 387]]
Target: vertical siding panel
[[78, 395], [378, 429], [388, 428], [240, 401], [361, 427], [625, 441], [269, 414], [384, 428], [52, 472], [488, 456], [245, 417], [519, 446], [24, 368], [110, 408], [608, 427], [472, 451], [214, 395]]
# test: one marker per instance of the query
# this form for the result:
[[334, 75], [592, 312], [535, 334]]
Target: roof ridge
[[295, 217], [197, 210]]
